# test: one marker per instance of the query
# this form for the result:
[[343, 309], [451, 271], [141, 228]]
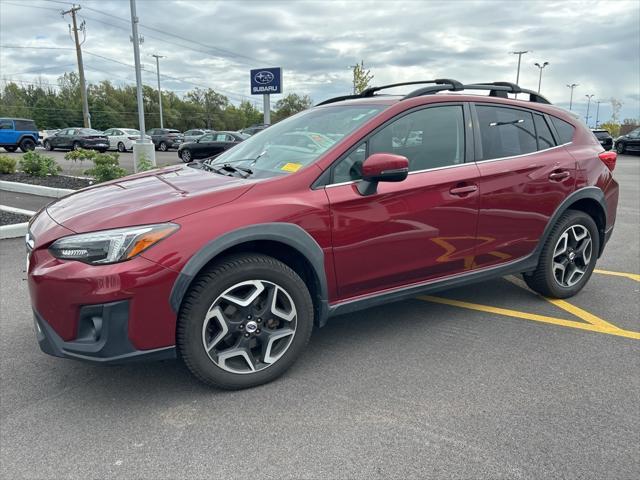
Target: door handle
[[559, 175], [463, 190]]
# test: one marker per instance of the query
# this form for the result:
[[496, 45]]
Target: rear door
[[411, 231], [525, 175]]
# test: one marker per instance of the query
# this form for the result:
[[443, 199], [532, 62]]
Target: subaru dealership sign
[[266, 81]]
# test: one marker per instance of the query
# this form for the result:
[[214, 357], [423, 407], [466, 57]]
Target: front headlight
[[110, 246]]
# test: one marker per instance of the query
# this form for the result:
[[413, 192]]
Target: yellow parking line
[[582, 314], [632, 276], [599, 328]]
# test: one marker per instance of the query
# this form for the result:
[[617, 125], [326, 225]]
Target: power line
[[31, 6]]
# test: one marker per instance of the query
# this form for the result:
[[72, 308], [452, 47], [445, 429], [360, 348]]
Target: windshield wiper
[[228, 169]]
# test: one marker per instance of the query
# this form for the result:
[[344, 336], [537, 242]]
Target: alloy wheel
[[572, 255], [249, 326], [186, 156], [620, 148], [163, 147], [121, 147]]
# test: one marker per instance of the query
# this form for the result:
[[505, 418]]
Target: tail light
[[609, 159]]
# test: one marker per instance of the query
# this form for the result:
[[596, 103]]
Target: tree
[[616, 105], [291, 104], [361, 77]]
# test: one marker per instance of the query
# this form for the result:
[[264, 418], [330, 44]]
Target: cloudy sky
[[214, 43]]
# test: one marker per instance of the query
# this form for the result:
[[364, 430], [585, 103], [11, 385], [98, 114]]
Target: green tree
[[291, 104], [361, 77]]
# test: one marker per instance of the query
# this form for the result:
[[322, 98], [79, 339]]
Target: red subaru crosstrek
[[361, 200]]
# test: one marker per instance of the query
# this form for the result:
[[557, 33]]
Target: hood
[[150, 197]]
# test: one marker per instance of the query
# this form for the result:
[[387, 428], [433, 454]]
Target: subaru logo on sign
[[264, 77], [266, 80]]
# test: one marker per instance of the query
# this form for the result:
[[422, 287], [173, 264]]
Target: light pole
[[572, 86], [158, 57], [540, 67], [141, 149], [598, 111], [589, 97], [519, 53]]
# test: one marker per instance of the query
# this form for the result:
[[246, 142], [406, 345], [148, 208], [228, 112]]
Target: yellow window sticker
[[291, 167]]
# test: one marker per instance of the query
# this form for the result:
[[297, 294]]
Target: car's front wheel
[[47, 145], [185, 155], [620, 148], [568, 257], [244, 321]]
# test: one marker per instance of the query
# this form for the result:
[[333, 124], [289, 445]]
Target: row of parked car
[[20, 133]]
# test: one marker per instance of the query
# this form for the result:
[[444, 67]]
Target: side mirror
[[382, 167]]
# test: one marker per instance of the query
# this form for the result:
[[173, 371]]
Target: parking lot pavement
[[126, 160], [477, 382], [24, 201]]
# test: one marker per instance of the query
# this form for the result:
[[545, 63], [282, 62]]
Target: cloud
[[316, 41]]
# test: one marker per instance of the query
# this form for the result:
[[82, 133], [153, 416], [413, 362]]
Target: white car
[[122, 139]]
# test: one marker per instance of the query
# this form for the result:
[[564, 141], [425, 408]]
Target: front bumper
[[102, 337]]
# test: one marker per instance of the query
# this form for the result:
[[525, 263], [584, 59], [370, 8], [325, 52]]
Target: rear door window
[[543, 133], [565, 130], [505, 132]]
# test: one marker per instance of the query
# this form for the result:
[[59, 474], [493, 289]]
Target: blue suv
[[18, 133]]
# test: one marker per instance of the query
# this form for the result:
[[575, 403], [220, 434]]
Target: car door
[[63, 138], [419, 229], [633, 143], [7, 132], [525, 175], [200, 147], [218, 144], [110, 134]]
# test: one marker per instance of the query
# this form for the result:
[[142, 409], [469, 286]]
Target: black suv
[[18, 132], [629, 142], [165, 138], [604, 137], [253, 129]]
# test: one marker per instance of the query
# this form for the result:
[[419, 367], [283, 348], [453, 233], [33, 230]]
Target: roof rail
[[369, 92], [496, 89]]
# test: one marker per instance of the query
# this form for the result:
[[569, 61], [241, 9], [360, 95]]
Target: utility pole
[[572, 86], [598, 111], [86, 118], [158, 57], [519, 53], [540, 77], [353, 75], [141, 148], [589, 97]]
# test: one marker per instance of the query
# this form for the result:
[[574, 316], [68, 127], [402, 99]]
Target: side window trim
[[327, 180]]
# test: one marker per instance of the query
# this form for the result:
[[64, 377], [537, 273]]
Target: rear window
[[565, 130], [601, 135], [25, 125], [89, 131], [543, 132], [505, 132]]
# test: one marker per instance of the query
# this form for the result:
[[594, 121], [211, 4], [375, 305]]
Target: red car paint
[[435, 224]]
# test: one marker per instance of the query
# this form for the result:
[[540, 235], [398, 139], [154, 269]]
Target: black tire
[[102, 150], [163, 147], [185, 155], [47, 145], [76, 146], [27, 145], [11, 149], [121, 147], [543, 279], [208, 286], [620, 148]]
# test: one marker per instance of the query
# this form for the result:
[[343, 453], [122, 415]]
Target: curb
[[19, 211], [13, 231], [35, 189]]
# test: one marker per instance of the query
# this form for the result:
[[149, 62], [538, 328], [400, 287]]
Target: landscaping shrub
[[106, 166], [7, 164], [144, 163], [39, 165]]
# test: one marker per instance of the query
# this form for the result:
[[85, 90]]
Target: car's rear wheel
[[620, 148], [11, 149], [568, 257], [47, 145], [186, 155], [244, 321], [77, 146], [163, 147], [121, 147], [27, 145]]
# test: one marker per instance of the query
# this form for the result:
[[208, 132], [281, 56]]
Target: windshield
[[297, 141]]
